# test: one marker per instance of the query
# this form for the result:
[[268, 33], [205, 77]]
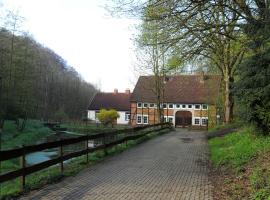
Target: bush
[[107, 117]]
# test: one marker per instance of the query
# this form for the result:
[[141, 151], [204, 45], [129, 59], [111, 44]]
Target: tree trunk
[[229, 102]]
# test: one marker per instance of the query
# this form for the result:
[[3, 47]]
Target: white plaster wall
[[91, 114], [121, 119]]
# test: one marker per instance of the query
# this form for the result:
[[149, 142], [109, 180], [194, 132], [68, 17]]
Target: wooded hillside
[[35, 82]]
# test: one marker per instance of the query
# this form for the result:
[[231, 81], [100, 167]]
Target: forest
[[35, 82]]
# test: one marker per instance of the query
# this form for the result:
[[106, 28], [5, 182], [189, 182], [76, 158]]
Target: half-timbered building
[[187, 100]]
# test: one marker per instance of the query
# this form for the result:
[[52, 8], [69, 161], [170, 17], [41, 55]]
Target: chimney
[[127, 91], [115, 91]]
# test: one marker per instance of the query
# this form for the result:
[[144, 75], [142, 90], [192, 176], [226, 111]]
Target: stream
[[41, 156]]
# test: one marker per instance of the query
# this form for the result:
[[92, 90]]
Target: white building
[[114, 100]]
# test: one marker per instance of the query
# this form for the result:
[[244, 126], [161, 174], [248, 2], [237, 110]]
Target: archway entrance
[[183, 118]]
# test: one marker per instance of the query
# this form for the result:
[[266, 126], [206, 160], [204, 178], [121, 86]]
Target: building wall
[[121, 120], [209, 113], [91, 115]]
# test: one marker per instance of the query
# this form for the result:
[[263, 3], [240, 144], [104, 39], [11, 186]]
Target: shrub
[[107, 117]]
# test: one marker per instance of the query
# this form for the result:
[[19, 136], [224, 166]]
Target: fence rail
[[109, 139]]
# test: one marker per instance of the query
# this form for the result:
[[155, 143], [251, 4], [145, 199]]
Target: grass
[[245, 156], [238, 148], [88, 128], [34, 131], [11, 189], [224, 126]]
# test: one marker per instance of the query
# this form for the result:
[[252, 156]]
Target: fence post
[[87, 158], [22, 162], [104, 143], [61, 157]]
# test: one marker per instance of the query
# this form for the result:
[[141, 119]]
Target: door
[[183, 118]]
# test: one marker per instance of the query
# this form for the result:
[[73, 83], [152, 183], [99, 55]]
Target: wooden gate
[[183, 118]]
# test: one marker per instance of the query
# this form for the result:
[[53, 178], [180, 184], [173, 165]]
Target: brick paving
[[172, 166]]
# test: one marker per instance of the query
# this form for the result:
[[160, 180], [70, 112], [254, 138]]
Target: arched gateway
[[183, 118]]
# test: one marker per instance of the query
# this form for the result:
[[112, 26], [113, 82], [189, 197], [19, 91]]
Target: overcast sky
[[97, 45]]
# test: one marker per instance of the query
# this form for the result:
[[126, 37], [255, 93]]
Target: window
[[204, 121], [197, 106], [139, 119], [145, 105], [145, 119], [183, 106], [151, 105], [177, 105], [189, 106], [204, 107], [197, 121], [170, 119], [127, 116], [164, 105], [139, 105], [170, 105]]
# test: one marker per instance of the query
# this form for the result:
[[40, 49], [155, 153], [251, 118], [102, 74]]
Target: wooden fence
[[105, 140]]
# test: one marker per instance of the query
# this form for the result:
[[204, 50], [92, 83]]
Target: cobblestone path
[[172, 166]]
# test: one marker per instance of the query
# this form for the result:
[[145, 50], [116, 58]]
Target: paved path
[[171, 166]]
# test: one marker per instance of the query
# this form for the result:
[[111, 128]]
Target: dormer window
[[139, 105]]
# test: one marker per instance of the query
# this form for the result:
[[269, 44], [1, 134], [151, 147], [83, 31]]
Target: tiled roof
[[179, 89], [117, 101]]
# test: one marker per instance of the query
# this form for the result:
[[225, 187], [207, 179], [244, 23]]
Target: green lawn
[[238, 148], [242, 154]]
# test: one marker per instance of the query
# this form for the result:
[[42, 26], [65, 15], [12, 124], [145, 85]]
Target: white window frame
[[165, 105], [169, 106], [204, 118], [198, 118], [152, 106], [206, 107], [170, 117], [138, 105], [138, 120], [178, 106], [184, 106], [164, 118], [143, 116], [127, 116], [190, 105], [142, 119], [145, 104], [197, 105]]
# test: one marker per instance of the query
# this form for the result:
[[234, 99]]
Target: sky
[[82, 32]]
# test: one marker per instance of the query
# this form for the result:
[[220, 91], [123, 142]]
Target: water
[[40, 156]]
